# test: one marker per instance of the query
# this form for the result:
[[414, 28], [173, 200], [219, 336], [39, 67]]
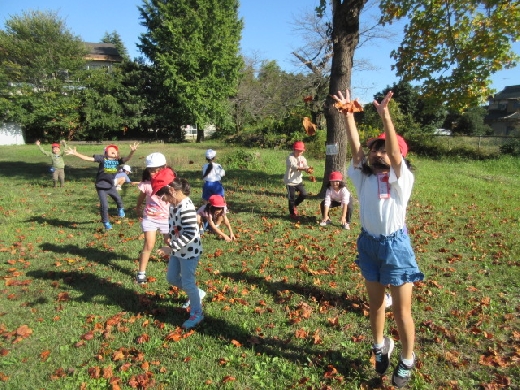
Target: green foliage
[[453, 48], [511, 148], [194, 47], [241, 159], [41, 64]]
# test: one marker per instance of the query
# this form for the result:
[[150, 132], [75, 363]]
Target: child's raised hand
[[70, 151], [383, 106], [37, 142], [134, 146]]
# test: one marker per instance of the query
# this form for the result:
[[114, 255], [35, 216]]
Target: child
[[295, 164], [108, 163], [212, 174], [213, 215], [335, 196], [155, 215], [122, 177], [185, 246], [383, 182], [58, 164]]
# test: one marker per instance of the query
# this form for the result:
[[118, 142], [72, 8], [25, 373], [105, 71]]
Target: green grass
[[286, 306]]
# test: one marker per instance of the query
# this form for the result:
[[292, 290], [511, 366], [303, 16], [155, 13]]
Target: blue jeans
[[103, 201], [181, 273]]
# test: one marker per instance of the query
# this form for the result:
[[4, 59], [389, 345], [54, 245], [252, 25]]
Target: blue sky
[[268, 33]]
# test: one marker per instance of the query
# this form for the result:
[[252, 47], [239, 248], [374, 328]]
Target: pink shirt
[[154, 208]]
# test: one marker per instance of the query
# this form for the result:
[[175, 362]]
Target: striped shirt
[[184, 230]]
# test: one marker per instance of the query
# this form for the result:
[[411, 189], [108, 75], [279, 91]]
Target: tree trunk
[[200, 135], [345, 37]]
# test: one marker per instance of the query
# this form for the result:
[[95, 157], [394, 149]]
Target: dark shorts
[[389, 260], [212, 188]]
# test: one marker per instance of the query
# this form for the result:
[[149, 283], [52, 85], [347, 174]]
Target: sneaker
[[201, 232], [388, 300], [346, 226], [121, 213], [107, 225], [383, 355], [141, 278], [402, 374], [325, 223], [118, 188], [193, 321], [202, 294]]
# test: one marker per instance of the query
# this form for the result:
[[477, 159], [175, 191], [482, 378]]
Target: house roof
[[103, 52], [509, 92]]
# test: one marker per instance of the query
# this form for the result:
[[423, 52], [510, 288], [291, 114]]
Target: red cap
[[298, 145], [163, 178], [112, 146], [55, 145], [403, 147], [335, 176], [216, 201]]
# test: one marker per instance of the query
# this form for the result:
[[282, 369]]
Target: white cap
[[210, 154], [127, 168], [155, 160]]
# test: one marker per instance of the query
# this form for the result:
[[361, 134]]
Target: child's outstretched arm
[[358, 154], [391, 144], [74, 152], [133, 148]]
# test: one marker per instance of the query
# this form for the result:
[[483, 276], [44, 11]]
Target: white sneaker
[[388, 300], [325, 223], [346, 226], [202, 294]]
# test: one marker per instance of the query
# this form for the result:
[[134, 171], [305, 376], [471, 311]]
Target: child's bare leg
[[376, 300], [149, 243], [402, 309]]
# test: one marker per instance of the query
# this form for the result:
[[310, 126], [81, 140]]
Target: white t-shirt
[[216, 174], [387, 215], [293, 176], [342, 196]]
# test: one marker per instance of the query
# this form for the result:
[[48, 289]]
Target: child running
[[185, 246], [383, 182], [336, 195], [213, 216], [212, 174], [107, 170], [58, 164]]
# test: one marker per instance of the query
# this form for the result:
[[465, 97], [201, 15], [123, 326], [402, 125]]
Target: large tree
[[453, 47], [39, 61], [194, 48]]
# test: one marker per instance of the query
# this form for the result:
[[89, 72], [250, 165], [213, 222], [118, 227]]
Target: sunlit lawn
[[286, 306]]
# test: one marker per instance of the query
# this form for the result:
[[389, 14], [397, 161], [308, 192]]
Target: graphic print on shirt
[[110, 166]]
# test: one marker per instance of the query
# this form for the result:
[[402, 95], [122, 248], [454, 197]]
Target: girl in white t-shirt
[[335, 196]]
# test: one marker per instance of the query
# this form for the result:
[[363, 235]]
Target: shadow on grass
[[352, 304], [106, 258], [57, 222]]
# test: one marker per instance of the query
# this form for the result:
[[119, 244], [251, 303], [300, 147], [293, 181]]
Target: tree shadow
[[57, 222], [91, 254]]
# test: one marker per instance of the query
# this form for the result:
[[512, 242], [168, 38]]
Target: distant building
[[190, 131], [504, 111], [102, 55]]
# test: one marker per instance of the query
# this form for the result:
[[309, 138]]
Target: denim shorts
[[389, 260]]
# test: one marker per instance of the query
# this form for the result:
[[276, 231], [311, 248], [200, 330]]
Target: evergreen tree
[[194, 48]]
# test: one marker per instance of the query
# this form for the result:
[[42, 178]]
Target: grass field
[[286, 305]]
